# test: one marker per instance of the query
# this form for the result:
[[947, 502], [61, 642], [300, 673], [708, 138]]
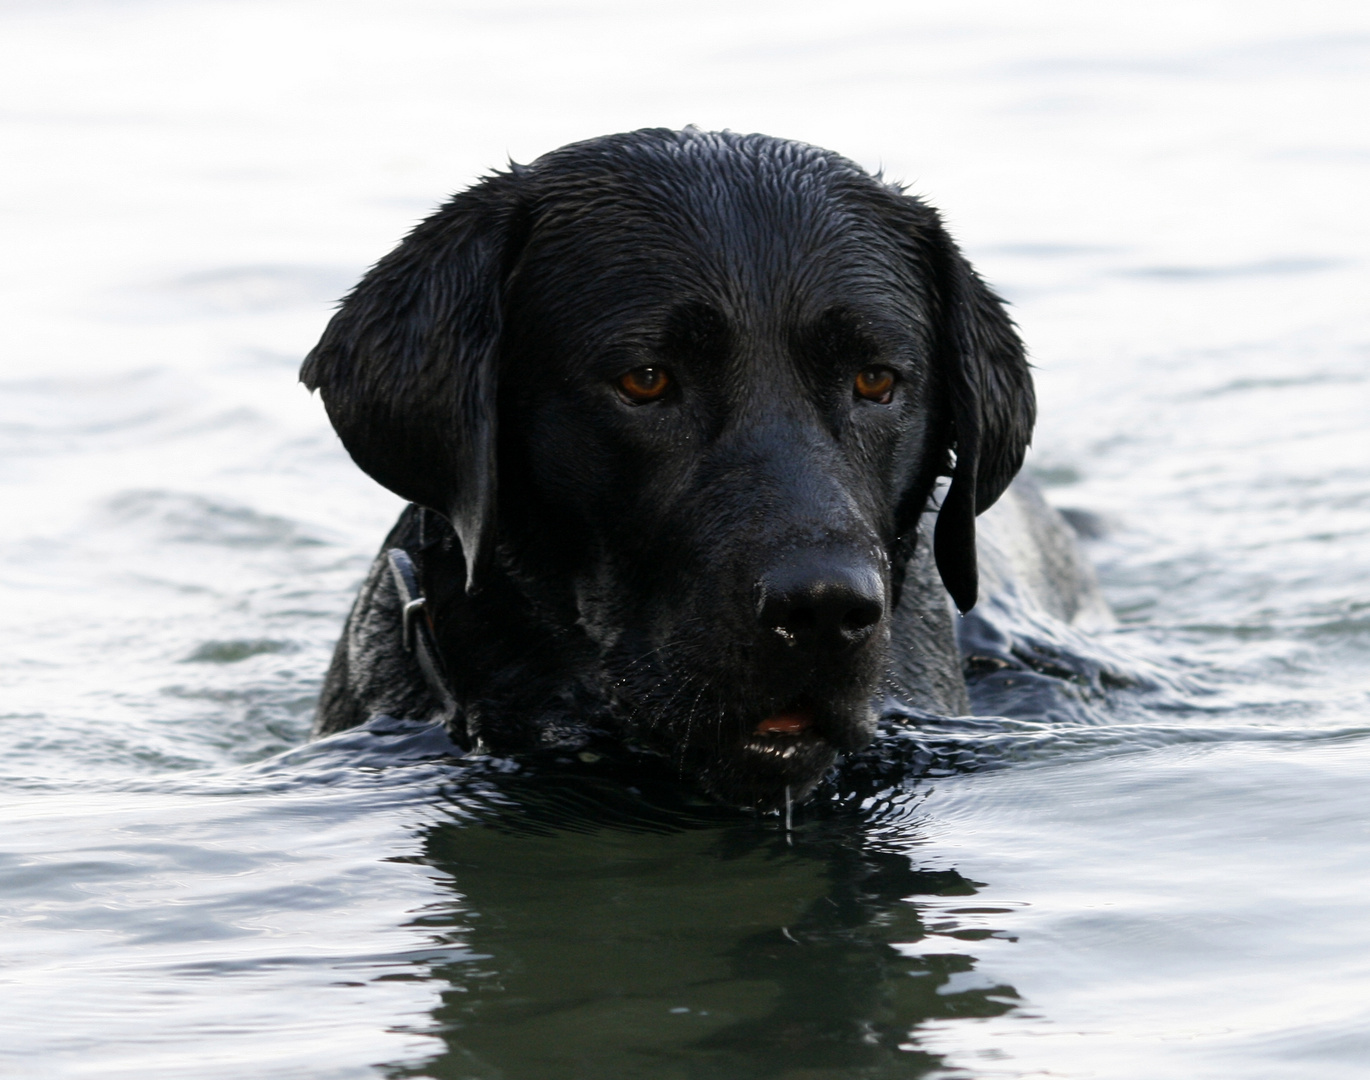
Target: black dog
[[670, 406]]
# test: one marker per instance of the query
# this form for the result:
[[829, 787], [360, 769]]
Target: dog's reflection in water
[[615, 936]]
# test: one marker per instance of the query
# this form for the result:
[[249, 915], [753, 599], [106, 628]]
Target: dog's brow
[[695, 331], [840, 334]]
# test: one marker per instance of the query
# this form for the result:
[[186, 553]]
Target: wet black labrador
[[670, 407]]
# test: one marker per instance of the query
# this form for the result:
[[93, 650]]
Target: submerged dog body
[[670, 407]]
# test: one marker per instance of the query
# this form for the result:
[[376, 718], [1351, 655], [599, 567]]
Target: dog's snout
[[822, 606]]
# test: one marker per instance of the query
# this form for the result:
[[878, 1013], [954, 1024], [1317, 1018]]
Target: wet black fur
[[602, 562]]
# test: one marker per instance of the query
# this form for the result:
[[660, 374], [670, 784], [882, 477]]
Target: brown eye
[[643, 384], [875, 384]]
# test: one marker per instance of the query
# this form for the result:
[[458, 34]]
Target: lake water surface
[[1177, 885]]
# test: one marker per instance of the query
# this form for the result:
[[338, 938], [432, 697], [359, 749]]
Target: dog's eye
[[875, 384], [643, 384]]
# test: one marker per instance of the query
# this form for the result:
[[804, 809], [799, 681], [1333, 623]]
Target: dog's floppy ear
[[407, 367], [990, 395]]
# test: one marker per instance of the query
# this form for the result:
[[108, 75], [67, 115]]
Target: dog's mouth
[[777, 754], [781, 756], [788, 741], [804, 724], [784, 725]]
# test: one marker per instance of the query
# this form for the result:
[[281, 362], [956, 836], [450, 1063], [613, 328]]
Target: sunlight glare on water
[[1171, 195]]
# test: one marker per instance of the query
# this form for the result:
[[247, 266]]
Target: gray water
[[1172, 195]]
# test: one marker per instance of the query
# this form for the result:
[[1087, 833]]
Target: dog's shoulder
[[925, 663], [1025, 548]]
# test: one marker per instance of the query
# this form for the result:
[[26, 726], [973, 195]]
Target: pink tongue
[[784, 724]]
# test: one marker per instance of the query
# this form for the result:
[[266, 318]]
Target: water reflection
[[622, 932]]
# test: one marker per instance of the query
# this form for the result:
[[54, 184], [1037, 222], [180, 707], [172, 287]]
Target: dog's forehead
[[757, 231]]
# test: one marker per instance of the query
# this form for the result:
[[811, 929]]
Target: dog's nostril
[[822, 607], [862, 616]]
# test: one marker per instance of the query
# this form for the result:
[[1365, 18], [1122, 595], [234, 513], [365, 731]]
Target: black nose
[[822, 606]]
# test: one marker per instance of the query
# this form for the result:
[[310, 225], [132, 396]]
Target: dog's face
[[696, 405], [705, 436]]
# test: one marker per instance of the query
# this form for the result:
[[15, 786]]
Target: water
[[1172, 196]]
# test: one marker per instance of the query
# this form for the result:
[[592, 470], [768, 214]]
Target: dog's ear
[[988, 388], [407, 368]]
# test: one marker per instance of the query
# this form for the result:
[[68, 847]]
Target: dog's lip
[[786, 734], [789, 723], [788, 755]]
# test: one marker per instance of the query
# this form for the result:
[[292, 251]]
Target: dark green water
[[717, 951]]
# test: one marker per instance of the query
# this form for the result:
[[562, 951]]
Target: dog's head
[[694, 390]]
